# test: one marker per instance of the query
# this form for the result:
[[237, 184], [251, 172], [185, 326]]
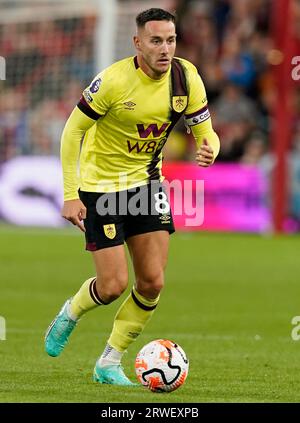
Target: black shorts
[[113, 217]]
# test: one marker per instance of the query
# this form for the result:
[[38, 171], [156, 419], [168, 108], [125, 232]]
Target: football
[[161, 366]]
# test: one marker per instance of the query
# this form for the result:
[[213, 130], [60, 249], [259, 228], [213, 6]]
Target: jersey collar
[[144, 76]]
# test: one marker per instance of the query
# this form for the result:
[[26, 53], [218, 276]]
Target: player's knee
[[150, 285], [109, 289]]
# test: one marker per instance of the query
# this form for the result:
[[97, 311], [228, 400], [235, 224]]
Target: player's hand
[[205, 155], [75, 212]]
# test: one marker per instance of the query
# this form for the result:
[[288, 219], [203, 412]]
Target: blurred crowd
[[230, 42], [48, 63]]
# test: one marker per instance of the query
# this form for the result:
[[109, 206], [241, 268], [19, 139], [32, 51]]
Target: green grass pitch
[[229, 301]]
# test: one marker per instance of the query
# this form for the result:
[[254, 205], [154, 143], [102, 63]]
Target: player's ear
[[136, 42]]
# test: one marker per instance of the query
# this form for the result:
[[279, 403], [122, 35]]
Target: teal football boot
[[111, 375], [59, 331]]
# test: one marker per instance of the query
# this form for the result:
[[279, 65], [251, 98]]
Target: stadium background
[[237, 292]]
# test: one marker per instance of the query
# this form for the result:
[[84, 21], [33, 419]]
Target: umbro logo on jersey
[[129, 105]]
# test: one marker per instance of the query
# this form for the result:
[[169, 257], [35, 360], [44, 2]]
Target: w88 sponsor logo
[[149, 147]]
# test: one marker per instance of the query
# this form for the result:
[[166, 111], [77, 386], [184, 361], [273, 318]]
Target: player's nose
[[164, 48]]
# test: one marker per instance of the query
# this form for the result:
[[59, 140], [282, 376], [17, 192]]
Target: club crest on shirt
[[165, 218], [95, 85], [110, 230], [179, 103]]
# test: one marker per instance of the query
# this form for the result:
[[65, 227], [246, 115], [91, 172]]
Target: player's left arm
[[208, 143], [197, 118]]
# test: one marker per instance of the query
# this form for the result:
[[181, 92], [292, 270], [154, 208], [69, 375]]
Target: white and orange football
[[161, 366]]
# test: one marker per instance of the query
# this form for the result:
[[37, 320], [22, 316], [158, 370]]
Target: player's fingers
[[81, 227], [206, 148], [67, 217], [206, 158], [83, 212], [75, 220], [206, 154], [203, 164], [204, 161], [79, 223]]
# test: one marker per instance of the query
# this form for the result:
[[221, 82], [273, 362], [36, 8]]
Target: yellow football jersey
[[133, 115]]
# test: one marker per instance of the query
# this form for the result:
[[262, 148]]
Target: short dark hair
[[154, 14]]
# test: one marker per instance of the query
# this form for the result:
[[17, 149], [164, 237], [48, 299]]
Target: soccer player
[[118, 130]]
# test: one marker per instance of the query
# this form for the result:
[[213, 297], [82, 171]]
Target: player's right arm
[[74, 130], [93, 104]]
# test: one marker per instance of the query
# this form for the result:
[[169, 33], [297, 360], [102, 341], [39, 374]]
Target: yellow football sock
[[86, 299], [130, 320]]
